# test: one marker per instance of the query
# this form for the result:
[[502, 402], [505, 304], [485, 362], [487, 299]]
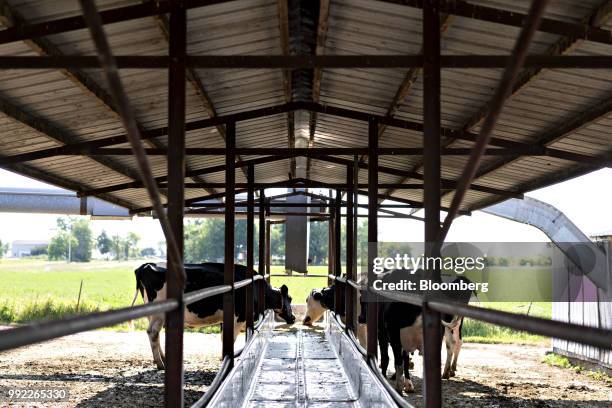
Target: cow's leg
[[401, 382], [457, 349], [155, 325], [383, 343], [238, 327], [448, 341]]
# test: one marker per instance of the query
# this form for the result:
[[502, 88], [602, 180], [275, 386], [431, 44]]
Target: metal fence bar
[[230, 198], [261, 262], [38, 332], [191, 297], [175, 319], [349, 303], [432, 336], [250, 299], [372, 318], [568, 331]]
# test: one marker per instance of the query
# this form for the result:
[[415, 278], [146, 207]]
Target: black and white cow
[[151, 283], [320, 300], [401, 325]]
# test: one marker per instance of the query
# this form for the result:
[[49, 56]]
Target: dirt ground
[[503, 375], [104, 368]]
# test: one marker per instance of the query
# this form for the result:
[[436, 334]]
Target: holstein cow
[[151, 283], [401, 325], [320, 300]]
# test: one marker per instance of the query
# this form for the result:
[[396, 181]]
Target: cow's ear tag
[[317, 296], [284, 289]]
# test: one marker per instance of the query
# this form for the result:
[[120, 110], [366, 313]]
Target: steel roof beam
[[502, 93], [454, 7], [283, 26], [322, 28], [194, 79], [598, 17], [295, 62], [90, 147], [42, 46]]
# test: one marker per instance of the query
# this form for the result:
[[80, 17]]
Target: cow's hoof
[[160, 367], [392, 378], [452, 373], [408, 386], [445, 375]]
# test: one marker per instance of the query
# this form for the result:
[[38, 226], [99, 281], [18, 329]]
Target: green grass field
[[32, 290]]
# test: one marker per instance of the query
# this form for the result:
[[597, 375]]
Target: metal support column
[[250, 248], [349, 292], [432, 335], [338, 249], [230, 200], [372, 235], [268, 250], [173, 378], [331, 241], [262, 250]]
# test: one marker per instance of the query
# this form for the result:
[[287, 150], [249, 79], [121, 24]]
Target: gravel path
[[104, 368]]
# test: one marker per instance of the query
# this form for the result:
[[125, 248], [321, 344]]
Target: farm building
[[171, 108], [23, 248]]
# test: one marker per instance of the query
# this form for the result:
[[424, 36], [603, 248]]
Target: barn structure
[[163, 106]]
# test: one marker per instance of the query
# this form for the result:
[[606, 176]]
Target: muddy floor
[[104, 368]]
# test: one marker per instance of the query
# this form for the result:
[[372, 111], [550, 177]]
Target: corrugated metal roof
[[251, 27]]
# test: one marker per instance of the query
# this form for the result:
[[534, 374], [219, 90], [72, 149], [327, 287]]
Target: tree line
[[204, 242]]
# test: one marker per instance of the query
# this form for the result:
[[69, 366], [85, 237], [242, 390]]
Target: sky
[[586, 200]]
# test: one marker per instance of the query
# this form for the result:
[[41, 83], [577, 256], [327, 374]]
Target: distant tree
[[41, 250], [318, 242], [131, 245], [83, 235], [58, 247], [104, 243], [147, 252], [117, 247], [3, 248], [502, 261]]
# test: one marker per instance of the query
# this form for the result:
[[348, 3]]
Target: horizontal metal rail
[[306, 61], [591, 336], [280, 275], [200, 294], [42, 331], [39, 332]]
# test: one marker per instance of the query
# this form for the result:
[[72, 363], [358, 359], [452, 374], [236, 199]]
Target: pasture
[[42, 290]]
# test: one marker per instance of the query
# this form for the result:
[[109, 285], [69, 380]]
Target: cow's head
[[316, 303], [285, 312]]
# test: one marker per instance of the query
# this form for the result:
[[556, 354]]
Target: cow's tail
[[139, 289]]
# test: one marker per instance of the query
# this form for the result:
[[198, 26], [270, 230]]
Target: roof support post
[[230, 200], [250, 248], [331, 242], [261, 262], [337, 248], [176, 197], [372, 319], [268, 246], [349, 295], [432, 337]]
